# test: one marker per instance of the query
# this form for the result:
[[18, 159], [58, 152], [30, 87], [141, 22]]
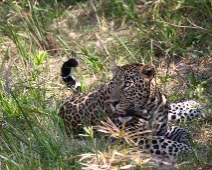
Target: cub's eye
[[127, 84]]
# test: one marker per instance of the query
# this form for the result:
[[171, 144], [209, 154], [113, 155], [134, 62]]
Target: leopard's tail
[[66, 73]]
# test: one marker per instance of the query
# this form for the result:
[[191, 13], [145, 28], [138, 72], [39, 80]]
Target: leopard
[[131, 96]]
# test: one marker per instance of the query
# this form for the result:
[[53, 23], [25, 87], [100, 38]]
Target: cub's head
[[131, 86]]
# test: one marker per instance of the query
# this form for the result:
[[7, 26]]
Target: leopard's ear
[[113, 67], [148, 69]]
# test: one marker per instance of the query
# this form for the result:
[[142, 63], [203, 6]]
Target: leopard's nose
[[114, 103]]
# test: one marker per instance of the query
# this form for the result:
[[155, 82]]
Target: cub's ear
[[113, 67], [148, 69]]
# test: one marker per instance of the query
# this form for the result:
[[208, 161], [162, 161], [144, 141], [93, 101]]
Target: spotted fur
[[132, 95]]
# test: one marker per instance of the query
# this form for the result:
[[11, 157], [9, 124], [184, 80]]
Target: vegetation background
[[36, 37]]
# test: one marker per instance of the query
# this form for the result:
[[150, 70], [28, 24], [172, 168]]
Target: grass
[[36, 37]]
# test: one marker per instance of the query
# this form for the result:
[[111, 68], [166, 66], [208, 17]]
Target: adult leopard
[[131, 95]]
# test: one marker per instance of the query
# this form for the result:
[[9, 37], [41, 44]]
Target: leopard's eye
[[127, 84], [111, 84]]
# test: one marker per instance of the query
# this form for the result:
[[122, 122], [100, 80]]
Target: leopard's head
[[131, 86]]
